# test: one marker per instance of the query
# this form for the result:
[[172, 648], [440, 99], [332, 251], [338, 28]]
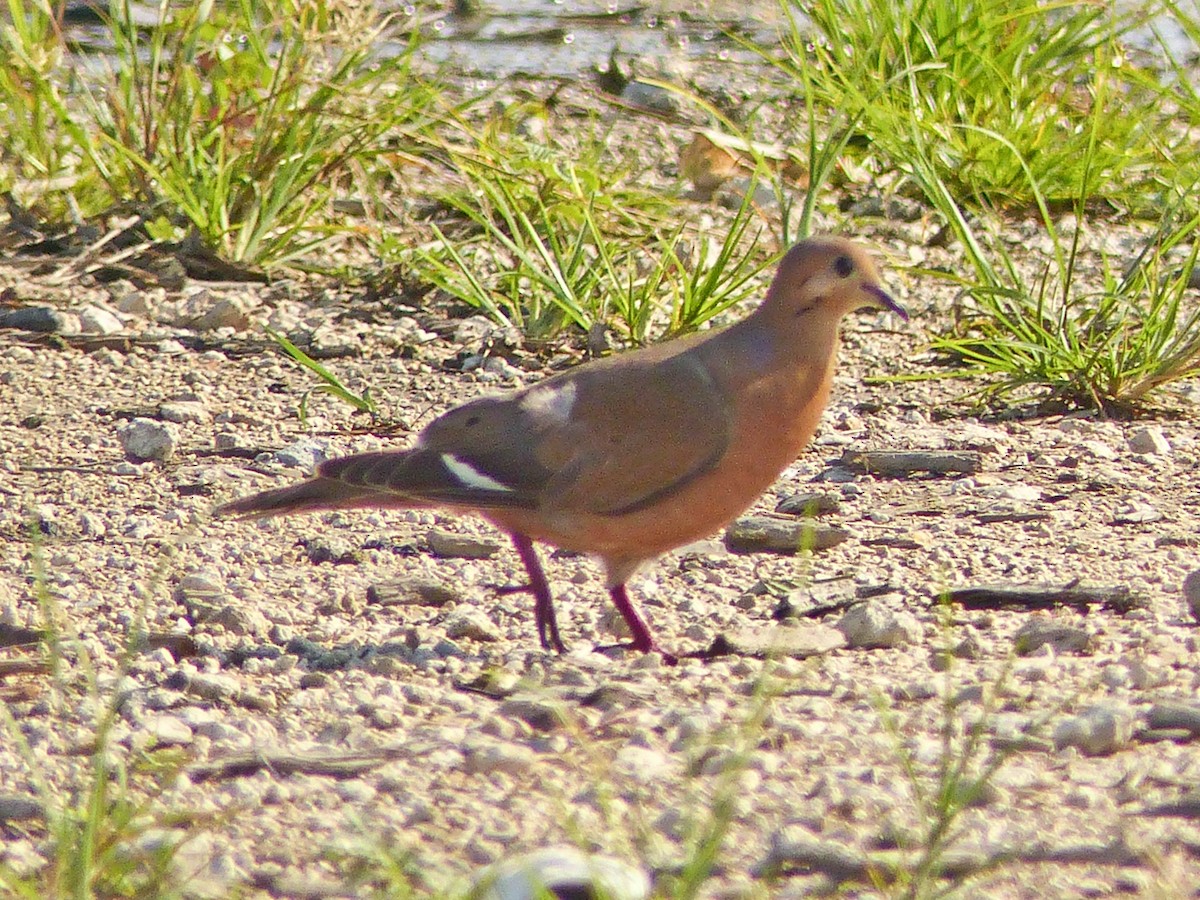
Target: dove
[[630, 456]]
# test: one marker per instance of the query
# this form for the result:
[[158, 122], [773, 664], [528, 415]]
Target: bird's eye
[[843, 265]]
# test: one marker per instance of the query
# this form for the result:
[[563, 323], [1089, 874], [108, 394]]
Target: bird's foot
[[551, 641], [547, 624]]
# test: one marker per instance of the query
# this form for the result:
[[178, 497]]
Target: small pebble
[[148, 439], [562, 872], [870, 625], [43, 319], [776, 534], [451, 545], [98, 320], [1149, 439], [1035, 634], [471, 624], [1097, 731]]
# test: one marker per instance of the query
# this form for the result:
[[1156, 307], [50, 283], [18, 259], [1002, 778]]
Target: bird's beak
[[884, 300]]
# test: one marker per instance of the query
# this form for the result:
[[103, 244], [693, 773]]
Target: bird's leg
[[543, 604], [643, 640]]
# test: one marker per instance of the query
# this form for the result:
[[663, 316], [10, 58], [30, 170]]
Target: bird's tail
[[313, 495]]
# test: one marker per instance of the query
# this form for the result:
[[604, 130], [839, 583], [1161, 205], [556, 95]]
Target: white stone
[[562, 872], [1149, 439], [870, 625], [98, 320], [511, 759], [184, 411], [473, 625], [148, 439], [1097, 731], [164, 731]]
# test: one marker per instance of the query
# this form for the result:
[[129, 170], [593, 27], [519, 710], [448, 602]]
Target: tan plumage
[[629, 456]]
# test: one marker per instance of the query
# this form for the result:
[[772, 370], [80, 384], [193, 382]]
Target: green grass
[[996, 109], [328, 382], [100, 835], [1104, 345], [1005, 95], [241, 123], [235, 121], [962, 773], [548, 236]]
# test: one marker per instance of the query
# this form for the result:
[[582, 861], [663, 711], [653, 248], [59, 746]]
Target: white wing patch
[[470, 476], [550, 405]]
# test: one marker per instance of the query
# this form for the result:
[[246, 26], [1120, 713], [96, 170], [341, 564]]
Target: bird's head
[[827, 276]]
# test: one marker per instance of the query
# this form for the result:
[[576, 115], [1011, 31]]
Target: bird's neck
[[781, 374], [767, 348]]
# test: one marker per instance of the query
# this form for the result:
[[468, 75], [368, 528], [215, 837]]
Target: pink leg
[[543, 604], [643, 640]]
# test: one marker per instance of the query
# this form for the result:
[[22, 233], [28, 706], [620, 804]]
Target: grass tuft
[[546, 239], [1004, 94], [235, 121]]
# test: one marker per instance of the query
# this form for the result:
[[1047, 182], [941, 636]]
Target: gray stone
[[411, 592], [650, 96], [18, 808], [1137, 512], [43, 319], [199, 586], [1063, 638], [1184, 716], [776, 534], [1097, 731], [450, 545], [201, 594], [796, 846], [562, 872], [941, 660], [331, 548], [1149, 439], [791, 638], [355, 791], [474, 329], [131, 300], [473, 625], [901, 463], [229, 440], [870, 625], [498, 756], [228, 312], [145, 439], [184, 411], [541, 713], [1191, 593], [305, 453], [807, 503], [237, 620], [643, 763], [163, 731], [214, 687], [98, 320]]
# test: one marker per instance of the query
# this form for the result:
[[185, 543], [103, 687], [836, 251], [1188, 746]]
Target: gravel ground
[[348, 683]]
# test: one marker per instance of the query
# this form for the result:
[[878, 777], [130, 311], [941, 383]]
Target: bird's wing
[[640, 433], [605, 439]]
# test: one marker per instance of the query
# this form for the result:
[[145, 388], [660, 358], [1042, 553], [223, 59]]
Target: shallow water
[[571, 38], [565, 39]]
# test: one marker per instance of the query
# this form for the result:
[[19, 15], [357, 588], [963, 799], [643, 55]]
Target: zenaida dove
[[629, 456]]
